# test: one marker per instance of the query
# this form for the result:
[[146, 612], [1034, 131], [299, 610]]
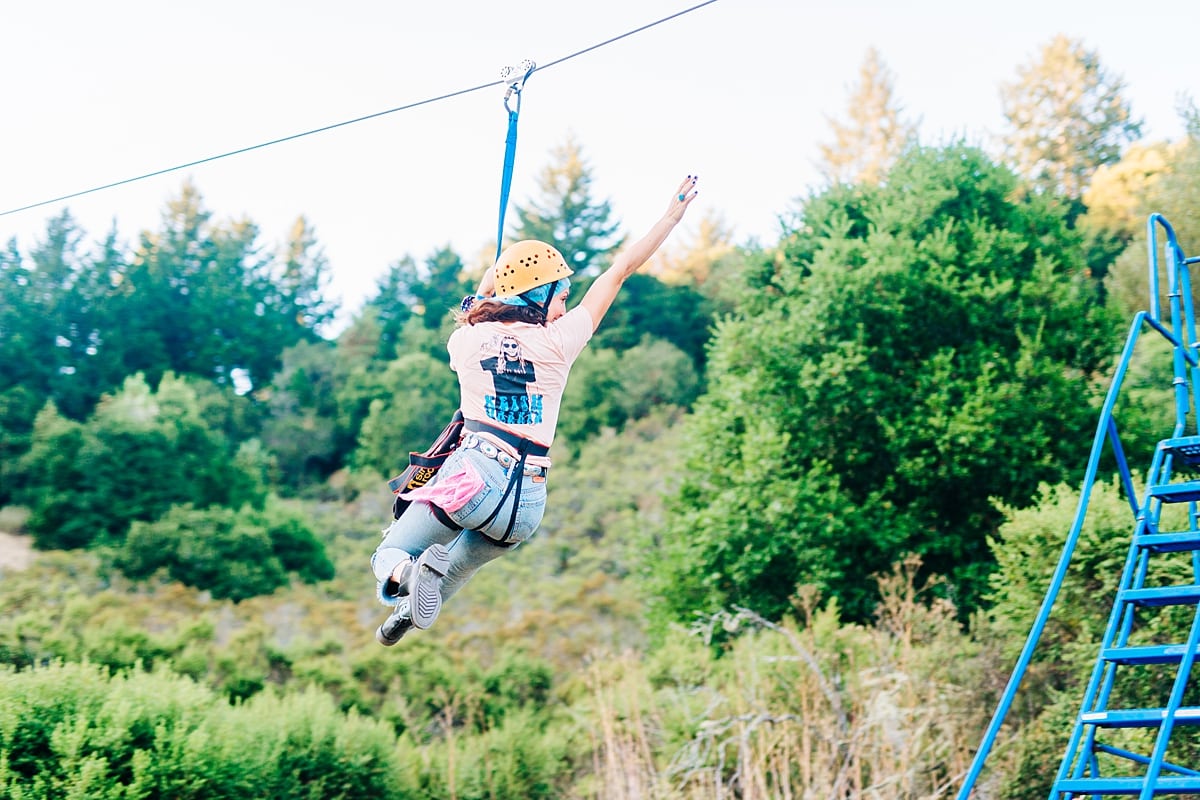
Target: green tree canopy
[[610, 388], [18, 410], [234, 554], [649, 307], [302, 282], [58, 330], [202, 298], [140, 453], [419, 395], [302, 427], [913, 351], [408, 291], [194, 298]]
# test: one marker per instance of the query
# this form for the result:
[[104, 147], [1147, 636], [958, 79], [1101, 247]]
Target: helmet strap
[[543, 307]]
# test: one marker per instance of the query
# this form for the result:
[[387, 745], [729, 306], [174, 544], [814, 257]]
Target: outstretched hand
[[683, 197]]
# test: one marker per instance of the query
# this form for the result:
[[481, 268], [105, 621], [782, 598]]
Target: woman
[[512, 351]]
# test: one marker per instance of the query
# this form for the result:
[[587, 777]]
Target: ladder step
[[1175, 542], [1185, 449], [1146, 654], [1166, 784], [1139, 717], [1185, 492], [1162, 596]]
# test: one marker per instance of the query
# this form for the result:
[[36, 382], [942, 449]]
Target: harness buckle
[[504, 459]]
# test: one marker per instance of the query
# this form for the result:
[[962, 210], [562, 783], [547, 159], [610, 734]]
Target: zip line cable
[[630, 33], [326, 128]]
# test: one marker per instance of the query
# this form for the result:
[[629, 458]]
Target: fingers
[[687, 190]]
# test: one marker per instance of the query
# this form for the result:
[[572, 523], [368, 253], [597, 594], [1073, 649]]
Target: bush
[[140, 453], [70, 730], [232, 554]]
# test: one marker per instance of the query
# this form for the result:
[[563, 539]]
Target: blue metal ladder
[[1094, 765]]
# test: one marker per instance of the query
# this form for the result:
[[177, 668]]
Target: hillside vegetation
[[806, 498]]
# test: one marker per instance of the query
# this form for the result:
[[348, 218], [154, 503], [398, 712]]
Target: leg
[[468, 553], [440, 560], [403, 541], [472, 549], [417, 541]]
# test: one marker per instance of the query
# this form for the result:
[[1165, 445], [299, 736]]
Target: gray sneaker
[[425, 585], [395, 626]]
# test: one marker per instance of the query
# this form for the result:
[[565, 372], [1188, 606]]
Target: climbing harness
[[423, 466], [516, 474], [489, 450]]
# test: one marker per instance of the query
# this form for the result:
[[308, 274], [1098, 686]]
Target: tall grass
[[808, 708]]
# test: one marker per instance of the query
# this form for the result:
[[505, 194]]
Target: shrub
[[139, 454], [232, 554], [70, 730]]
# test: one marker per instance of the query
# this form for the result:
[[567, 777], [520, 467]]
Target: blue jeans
[[469, 549]]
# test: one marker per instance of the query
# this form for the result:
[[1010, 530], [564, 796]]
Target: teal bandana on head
[[538, 296]]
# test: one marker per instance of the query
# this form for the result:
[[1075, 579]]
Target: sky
[[739, 92]]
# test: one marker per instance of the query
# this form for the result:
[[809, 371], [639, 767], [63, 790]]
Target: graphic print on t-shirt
[[512, 375]]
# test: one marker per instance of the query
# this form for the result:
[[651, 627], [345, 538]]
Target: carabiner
[[514, 78]]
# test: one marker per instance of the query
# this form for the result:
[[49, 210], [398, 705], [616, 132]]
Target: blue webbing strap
[[510, 147], [510, 156]]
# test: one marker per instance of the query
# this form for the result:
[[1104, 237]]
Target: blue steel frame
[[1182, 338]]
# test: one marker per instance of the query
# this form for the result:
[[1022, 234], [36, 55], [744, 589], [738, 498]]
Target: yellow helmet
[[527, 265]]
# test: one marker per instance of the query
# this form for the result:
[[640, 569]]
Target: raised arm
[[487, 284], [603, 291]]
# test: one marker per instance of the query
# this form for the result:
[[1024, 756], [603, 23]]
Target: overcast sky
[[739, 92]]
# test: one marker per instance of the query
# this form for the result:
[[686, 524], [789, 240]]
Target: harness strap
[[510, 155], [524, 447], [519, 443], [440, 514], [515, 479]]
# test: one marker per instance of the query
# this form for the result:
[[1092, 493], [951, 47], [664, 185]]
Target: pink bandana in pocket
[[451, 492]]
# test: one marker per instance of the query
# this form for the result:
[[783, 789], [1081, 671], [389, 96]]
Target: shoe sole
[[425, 586]]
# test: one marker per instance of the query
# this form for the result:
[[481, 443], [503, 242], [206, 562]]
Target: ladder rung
[[1186, 449], [1177, 492], [1175, 542], [1139, 717], [1162, 595], [1166, 784], [1146, 654]]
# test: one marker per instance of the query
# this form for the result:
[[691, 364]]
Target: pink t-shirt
[[512, 374]]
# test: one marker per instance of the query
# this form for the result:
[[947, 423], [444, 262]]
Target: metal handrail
[[1182, 338]]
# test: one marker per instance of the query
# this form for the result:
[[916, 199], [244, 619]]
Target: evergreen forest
[[806, 499]]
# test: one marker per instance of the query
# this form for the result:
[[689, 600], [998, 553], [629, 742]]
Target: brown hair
[[495, 311]]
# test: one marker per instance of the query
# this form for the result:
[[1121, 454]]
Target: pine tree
[[202, 298], [867, 145], [1067, 116], [305, 277]]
